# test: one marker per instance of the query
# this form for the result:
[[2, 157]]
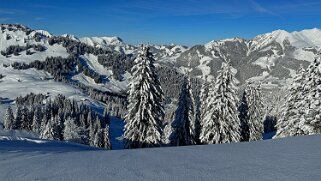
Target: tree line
[[17, 49], [59, 119]]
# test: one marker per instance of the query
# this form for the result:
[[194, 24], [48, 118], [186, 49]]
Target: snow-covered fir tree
[[99, 138], [106, 116], [9, 119], [221, 123], [184, 124], [18, 119], [60, 126], [203, 97], [251, 113], [36, 121], [25, 119], [107, 143], [312, 121], [82, 120], [144, 119], [244, 117], [71, 131], [167, 131], [50, 131], [99, 134], [92, 128], [294, 109]]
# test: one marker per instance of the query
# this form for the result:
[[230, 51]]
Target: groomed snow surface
[[292, 159]]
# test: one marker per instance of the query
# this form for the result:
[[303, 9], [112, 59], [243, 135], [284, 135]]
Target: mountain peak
[[214, 43], [73, 37], [102, 41]]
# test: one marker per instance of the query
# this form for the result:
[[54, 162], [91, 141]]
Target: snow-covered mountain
[[102, 41], [271, 57], [102, 64]]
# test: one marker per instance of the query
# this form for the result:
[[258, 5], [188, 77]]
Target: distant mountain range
[[271, 59]]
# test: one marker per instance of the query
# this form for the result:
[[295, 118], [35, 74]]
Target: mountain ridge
[[270, 59]]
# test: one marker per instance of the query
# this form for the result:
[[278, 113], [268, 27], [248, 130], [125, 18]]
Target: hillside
[[96, 70], [282, 159]]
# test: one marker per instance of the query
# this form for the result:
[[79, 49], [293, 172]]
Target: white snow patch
[[302, 54], [21, 82], [280, 159], [203, 66], [101, 41], [298, 39], [266, 61]]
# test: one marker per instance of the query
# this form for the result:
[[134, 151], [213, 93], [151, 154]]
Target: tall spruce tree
[[251, 113], [99, 138], [184, 124], [71, 131], [107, 143], [244, 117], [221, 123], [294, 109], [203, 97], [9, 119], [36, 121], [312, 122], [144, 119], [25, 119], [92, 128], [18, 119], [51, 130]]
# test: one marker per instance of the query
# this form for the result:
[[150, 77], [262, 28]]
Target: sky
[[186, 22]]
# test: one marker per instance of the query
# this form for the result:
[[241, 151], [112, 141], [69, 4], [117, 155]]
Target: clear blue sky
[[163, 21]]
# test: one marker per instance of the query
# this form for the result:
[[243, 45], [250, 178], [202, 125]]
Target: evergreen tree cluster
[[59, 119], [118, 62], [116, 103], [17, 49], [60, 68], [218, 119], [15, 27], [301, 112], [171, 80], [75, 47]]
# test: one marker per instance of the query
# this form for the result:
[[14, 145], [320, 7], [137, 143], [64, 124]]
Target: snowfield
[[292, 159], [22, 82]]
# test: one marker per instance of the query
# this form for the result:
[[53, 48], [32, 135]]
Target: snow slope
[[102, 41], [292, 159], [22, 82], [298, 39], [110, 84]]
